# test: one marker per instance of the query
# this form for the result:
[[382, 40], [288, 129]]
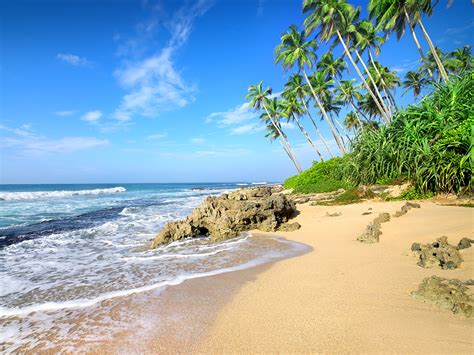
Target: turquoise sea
[[73, 248]]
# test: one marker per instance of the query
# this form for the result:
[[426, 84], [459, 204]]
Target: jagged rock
[[405, 208], [325, 196], [449, 294], [366, 213], [465, 243], [289, 227], [333, 214], [469, 282], [416, 247], [372, 232], [439, 253], [301, 200], [227, 215]]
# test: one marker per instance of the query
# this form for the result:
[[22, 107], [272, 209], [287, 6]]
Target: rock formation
[[226, 216], [372, 232], [438, 254], [465, 243], [449, 294], [405, 208]]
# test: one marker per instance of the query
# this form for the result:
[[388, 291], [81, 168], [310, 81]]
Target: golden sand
[[346, 296]]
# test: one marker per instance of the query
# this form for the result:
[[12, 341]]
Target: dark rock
[[228, 215], [469, 282], [439, 254], [366, 213], [416, 247], [405, 208], [448, 294], [465, 243], [372, 231], [289, 227]]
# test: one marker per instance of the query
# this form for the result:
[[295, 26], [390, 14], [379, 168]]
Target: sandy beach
[[346, 296]]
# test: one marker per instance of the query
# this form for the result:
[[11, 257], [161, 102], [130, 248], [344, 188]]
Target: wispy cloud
[[65, 113], [154, 84], [30, 142], [260, 7], [406, 66], [198, 140], [92, 116], [212, 152], [239, 120], [156, 136], [454, 34], [73, 59]]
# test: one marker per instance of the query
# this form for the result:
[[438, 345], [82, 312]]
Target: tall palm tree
[[347, 92], [386, 80], [334, 67], [396, 15], [337, 17], [351, 121], [294, 49], [295, 84], [414, 80], [293, 110], [367, 39], [273, 134], [460, 60], [259, 99], [322, 87]]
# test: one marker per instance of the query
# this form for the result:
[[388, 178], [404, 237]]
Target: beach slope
[[347, 296]]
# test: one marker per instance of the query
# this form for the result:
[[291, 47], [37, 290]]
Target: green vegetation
[[428, 144], [353, 195], [323, 176]]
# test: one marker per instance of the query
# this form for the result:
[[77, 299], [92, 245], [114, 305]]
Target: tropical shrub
[[430, 143], [325, 176]]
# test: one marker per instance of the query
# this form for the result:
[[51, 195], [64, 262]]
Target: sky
[[116, 91]]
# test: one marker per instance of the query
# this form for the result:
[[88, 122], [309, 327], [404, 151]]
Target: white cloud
[[157, 136], [92, 116], [154, 83], [73, 59], [237, 115], [27, 141], [198, 140], [65, 113], [287, 125], [247, 128]]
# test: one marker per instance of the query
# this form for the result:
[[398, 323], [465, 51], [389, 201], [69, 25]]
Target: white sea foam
[[259, 183], [15, 196]]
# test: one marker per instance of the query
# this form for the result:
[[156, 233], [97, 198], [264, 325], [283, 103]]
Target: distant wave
[[13, 196], [259, 183]]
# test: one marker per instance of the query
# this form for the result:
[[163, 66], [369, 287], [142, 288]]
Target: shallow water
[[68, 260]]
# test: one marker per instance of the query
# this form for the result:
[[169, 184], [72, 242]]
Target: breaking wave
[[15, 196]]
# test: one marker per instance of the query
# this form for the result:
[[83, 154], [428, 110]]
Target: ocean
[[68, 250]]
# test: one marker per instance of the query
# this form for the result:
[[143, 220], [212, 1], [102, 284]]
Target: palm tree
[[322, 87], [259, 99], [295, 85], [295, 49], [367, 39], [414, 81], [369, 107], [460, 60], [347, 92], [395, 15], [274, 134], [334, 67], [293, 110], [386, 80], [337, 16], [351, 121]]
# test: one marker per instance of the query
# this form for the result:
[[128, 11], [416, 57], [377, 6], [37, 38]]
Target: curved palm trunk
[[325, 115], [442, 71], [286, 143], [418, 46], [353, 106], [377, 92], [343, 129], [346, 50], [392, 99], [387, 97], [317, 129], [307, 137]]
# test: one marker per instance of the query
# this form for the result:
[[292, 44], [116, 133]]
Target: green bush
[[430, 143], [323, 176]]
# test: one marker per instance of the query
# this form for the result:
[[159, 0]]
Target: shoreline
[[346, 296]]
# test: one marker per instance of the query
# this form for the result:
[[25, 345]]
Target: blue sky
[[153, 91]]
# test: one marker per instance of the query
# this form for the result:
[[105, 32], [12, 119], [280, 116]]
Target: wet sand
[[346, 296]]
